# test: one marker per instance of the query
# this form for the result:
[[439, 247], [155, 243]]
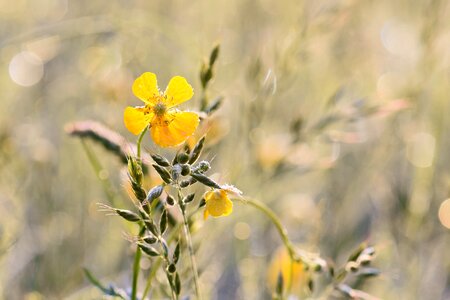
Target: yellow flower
[[169, 127], [293, 272], [217, 202]]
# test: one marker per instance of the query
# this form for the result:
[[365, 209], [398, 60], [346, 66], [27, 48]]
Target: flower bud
[[182, 158], [128, 215], [204, 166], [169, 200], [160, 160], [154, 193], [185, 170]]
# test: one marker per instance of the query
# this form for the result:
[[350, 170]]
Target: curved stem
[[280, 228], [139, 141], [281, 231]]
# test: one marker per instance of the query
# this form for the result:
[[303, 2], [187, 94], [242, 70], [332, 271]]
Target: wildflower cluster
[[164, 212], [169, 128]]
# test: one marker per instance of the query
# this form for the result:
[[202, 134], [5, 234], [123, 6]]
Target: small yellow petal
[[293, 272], [173, 128], [218, 204], [135, 120], [145, 87], [178, 91]]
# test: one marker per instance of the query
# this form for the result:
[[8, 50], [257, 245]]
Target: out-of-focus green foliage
[[336, 114]]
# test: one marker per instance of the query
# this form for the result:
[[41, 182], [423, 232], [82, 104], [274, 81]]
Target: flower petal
[[217, 204], [135, 119], [178, 91], [145, 87], [174, 128]]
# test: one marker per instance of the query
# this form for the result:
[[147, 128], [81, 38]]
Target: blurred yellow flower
[[291, 272], [169, 127], [217, 202]]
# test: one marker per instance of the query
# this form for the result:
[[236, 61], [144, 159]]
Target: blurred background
[[336, 114]]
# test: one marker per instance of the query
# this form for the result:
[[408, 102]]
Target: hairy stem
[[157, 264], [139, 141], [281, 231], [138, 254], [187, 235]]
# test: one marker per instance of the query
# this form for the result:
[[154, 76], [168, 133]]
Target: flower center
[[159, 109]]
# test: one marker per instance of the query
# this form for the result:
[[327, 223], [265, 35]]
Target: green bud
[[197, 151], [369, 272], [154, 193], [311, 285], [187, 182], [169, 200], [216, 103], [177, 284], [135, 170], [151, 227], [176, 171], [188, 198], [185, 170], [205, 180], [171, 268], [149, 239], [160, 160], [352, 266], [204, 166], [165, 247], [182, 158], [127, 215], [163, 173], [176, 253], [205, 74], [214, 55], [148, 249]]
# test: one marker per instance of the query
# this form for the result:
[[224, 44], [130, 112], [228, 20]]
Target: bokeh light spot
[[242, 231], [444, 213], [26, 68], [420, 151]]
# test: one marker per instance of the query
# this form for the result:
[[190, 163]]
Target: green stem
[[280, 228], [139, 141], [96, 165], [187, 235], [191, 255], [281, 231], [138, 254], [154, 268], [137, 259]]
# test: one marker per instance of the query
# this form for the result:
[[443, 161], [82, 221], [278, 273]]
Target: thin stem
[[173, 234], [281, 231], [96, 165], [137, 259], [188, 237], [139, 141], [280, 228], [191, 255], [138, 254]]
